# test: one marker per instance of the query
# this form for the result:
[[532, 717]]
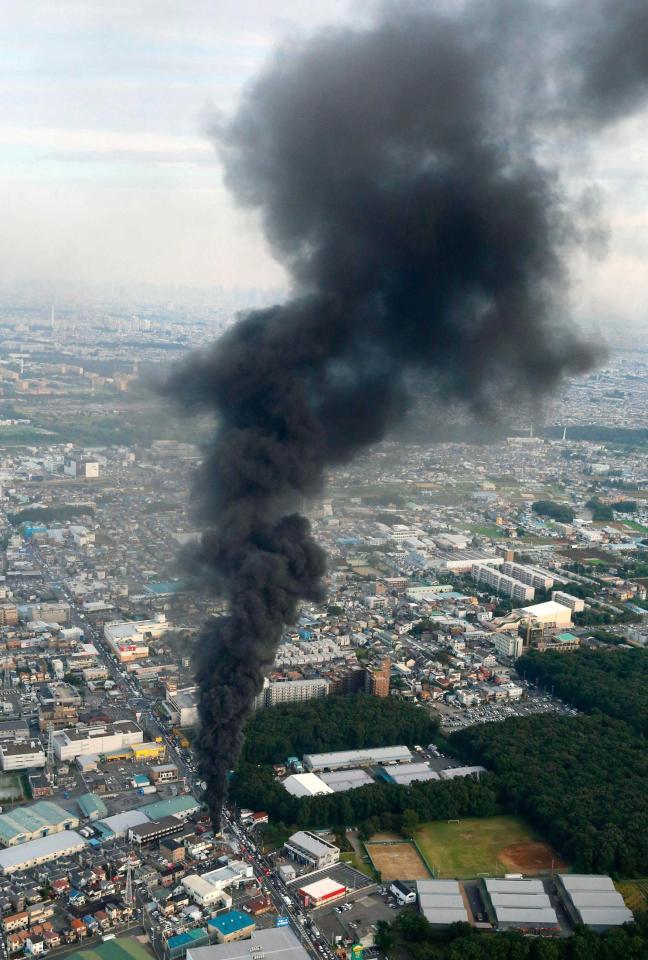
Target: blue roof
[[191, 936], [231, 922]]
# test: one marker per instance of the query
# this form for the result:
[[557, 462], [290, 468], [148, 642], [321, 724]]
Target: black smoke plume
[[395, 170]]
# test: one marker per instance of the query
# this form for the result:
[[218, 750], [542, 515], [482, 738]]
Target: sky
[[107, 173]]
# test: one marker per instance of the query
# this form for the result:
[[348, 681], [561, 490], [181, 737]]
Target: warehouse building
[[404, 773], [322, 892], [593, 901], [173, 807], [452, 773], [129, 640], [41, 819], [306, 847], [519, 905], [305, 785], [231, 926], [348, 779], [280, 943], [34, 852], [118, 826], [441, 902], [148, 750], [103, 738], [22, 755], [356, 758], [92, 806]]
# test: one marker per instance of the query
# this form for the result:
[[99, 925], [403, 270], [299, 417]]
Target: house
[[403, 894]]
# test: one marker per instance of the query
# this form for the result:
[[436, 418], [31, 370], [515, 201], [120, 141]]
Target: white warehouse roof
[[441, 902], [586, 881], [42, 849], [356, 758], [305, 785]]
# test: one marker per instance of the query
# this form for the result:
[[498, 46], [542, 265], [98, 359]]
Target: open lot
[[399, 860], [492, 845]]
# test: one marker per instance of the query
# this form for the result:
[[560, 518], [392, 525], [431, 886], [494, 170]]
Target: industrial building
[[34, 852], [280, 943], [593, 901], [322, 892], [441, 902], [519, 905], [129, 640], [80, 741], [92, 806], [404, 773], [509, 586], [356, 758], [575, 604], [22, 755], [118, 826], [231, 926], [173, 807], [148, 750], [23, 824], [348, 779], [451, 773], [306, 847], [306, 785]]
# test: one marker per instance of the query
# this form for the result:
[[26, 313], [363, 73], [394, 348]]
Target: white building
[[575, 604], [507, 645], [307, 847], [280, 943], [549, 614], [22, 755], [76, 465], [79, 741], [532, 576], [501, 582], [182, 706], [291, 691], [210, 888], [34, 852], [306, 785], [129, 640]]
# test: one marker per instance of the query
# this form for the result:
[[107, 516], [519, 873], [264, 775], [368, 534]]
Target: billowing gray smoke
[[394, 170]]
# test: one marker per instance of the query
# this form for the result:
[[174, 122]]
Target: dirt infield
[[397, 861], [531, 857]]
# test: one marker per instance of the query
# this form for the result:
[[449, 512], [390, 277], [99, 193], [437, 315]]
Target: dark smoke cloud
[[395, 174]]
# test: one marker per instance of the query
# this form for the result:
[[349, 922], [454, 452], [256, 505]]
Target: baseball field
[[397, 860], [492, 845]]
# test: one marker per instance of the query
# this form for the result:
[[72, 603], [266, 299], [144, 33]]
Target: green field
[[634, 525], [124, 948], [492, 845]]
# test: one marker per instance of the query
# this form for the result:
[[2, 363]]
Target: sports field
[[124, 948], [492, 845], [397, 861]]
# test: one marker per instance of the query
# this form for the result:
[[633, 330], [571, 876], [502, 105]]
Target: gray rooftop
[[349, 779], [493, 885], [437, 886], [585, 881], [277, 943], [527, 917], [596, 898], [342, 758], [606, 916]]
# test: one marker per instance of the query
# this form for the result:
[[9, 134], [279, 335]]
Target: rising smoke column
[[394, 171]]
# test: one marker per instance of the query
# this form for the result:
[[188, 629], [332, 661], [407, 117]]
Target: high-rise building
[[378, 678]]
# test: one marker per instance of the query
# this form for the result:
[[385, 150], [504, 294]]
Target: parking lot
[[455, 718], [356, 922], [342, 873]]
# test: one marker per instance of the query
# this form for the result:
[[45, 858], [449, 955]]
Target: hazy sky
[[106, 173]]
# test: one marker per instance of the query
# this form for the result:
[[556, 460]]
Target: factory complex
[[325, 773]]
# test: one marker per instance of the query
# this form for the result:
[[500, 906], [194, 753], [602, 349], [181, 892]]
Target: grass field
[[635, 894], [397, 861], [492, 845]]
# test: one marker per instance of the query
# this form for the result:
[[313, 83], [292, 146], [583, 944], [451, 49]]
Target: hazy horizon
[[110, 179]]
